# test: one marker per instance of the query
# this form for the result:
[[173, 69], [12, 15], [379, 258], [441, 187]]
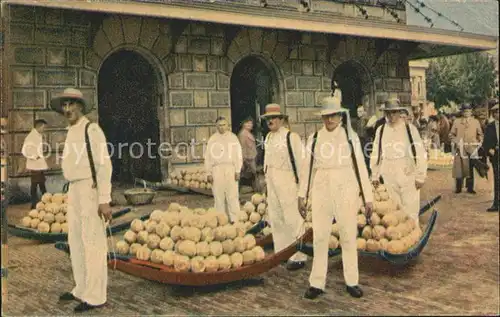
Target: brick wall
[[54, 49], [198, 88], [47, 49]]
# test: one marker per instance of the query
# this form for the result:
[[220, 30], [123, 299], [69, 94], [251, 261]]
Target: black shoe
[[458, 191], [67, 296], [355, 291], [472, 191], [492, 209], [313, 292], [292, 266], [82, 307]]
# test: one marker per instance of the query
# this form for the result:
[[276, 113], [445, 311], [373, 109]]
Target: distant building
[[418, 70]]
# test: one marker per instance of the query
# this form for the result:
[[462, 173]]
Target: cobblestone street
[[457, 273]]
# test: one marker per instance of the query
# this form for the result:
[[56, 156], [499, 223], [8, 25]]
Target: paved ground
[[458, 273]]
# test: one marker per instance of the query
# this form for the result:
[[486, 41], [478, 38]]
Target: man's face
[[332, 121], [495, 114], [72, 111], [274, 123], [395, 116], [467, 113], [222, 126], [361, 112], [41, 128]]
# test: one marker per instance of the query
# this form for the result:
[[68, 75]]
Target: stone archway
[[253, 86], [151, 41], [356, 85], [128, 115], [261, 46]]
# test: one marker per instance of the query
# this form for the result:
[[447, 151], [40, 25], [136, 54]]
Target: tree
[[461, 78]]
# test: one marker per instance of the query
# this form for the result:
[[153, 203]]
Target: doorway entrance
[[127, 92], [253, 86], [355, 84]]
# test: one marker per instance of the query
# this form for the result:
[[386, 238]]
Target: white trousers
[[401, 187], [225, 190], [88, 243], [335, 195], [287, 225]]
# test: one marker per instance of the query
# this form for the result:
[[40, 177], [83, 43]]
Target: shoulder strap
[[292, 159], [413, 150], [315, 137], [356, 167], [380, 144], [89, 154]]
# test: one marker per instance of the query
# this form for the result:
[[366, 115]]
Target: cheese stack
[[49, 214], [196, 240], [189, 179]]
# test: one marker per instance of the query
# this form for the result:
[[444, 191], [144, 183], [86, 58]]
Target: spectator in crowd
[[490, 145], [249, 151], [35, 161], [466, 135]]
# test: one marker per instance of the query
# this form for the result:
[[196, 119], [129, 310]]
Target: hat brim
[[330, 112], [495, 108], [274, 114], [396, 109], [56, 104]]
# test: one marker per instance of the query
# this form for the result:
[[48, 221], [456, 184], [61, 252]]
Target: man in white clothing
[[336, 170], [282, 177], [89, 196], [35, 161], [400, 159], [223, 162]]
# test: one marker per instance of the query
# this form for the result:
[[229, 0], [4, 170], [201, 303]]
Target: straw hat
[[69, 93], [466, 106], [273, 110], [495, 107], [394, 105], [333, 104]]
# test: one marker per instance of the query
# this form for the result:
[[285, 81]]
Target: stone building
[[164, 70], [418, 70]]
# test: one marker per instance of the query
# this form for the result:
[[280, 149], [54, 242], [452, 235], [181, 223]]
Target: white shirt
[[332, 151], [33, 151], [75, 163], [396, 146], [223, 149], [276, 151]]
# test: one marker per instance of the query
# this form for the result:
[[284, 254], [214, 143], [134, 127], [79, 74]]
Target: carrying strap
[[356, 167], [413, 150], [292, 158], [315, 137], [89, 154]]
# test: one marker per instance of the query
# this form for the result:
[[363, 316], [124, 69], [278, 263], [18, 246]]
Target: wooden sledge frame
[[259, 226], [167, 275], [31, 234], [396, 259]]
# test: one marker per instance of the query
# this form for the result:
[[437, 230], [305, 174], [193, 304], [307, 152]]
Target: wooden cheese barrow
[[28, 233], [266, 240], [396, 259], [167, 275]]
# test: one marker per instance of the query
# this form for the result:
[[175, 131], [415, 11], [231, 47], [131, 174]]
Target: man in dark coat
[[490, 146]]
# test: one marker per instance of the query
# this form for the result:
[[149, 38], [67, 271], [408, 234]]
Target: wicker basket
[[139, 196]]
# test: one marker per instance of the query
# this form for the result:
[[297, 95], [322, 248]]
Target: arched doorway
[[253, 86], [356, 86], [127, 90]]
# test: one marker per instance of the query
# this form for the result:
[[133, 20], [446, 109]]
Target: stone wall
[[198, 89], [46, 54], [54, 49]]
